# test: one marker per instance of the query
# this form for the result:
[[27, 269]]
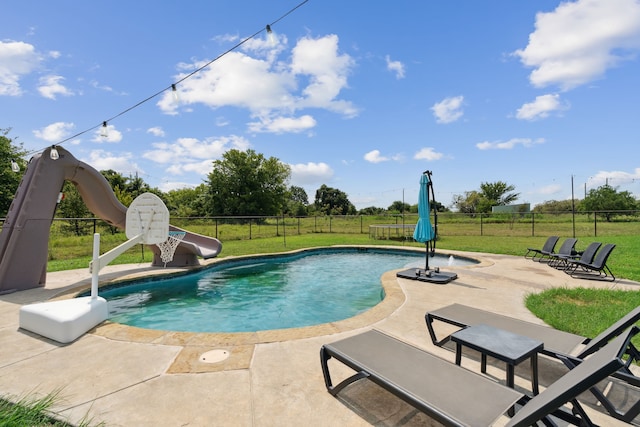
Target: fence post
[[249, 228], [595, 224], [298, 226], [360, 224], [94, 225], [533, 224], [216, 227], [481, 223], [329, 223]]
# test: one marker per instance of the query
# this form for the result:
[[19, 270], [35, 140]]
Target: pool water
[[261, 293]]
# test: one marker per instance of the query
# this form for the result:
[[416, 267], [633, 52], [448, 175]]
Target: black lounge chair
[[455, 396], [597, 269], [547, 248], [571, 349], [561, 262], [556, 342], [567, 248]]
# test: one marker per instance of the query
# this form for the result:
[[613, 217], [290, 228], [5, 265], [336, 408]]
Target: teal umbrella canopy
[[424, 231]]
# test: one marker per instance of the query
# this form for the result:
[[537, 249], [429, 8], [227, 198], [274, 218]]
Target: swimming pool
[[263, 292]]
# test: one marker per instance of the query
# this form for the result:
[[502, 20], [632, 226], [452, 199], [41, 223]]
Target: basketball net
[[168, 247]]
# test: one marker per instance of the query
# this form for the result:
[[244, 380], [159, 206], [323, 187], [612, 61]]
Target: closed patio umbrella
[[424, 231]]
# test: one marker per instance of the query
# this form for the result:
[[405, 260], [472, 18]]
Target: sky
[[358, 95]]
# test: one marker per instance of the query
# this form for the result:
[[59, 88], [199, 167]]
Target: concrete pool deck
[[125, 376]]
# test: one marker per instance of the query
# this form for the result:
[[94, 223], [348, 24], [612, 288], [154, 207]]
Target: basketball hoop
[[168, 247]]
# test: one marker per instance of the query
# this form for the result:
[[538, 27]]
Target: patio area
[[124, 376]]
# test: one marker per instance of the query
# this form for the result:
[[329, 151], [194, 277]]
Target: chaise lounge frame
[[597, 269], [547, 248], [455, 396], [569, 348]]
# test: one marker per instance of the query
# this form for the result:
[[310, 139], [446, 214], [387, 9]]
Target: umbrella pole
[[426, 251]]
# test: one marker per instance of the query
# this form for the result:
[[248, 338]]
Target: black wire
[[171, 86]]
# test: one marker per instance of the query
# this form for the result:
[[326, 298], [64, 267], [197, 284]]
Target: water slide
[[24, 240]]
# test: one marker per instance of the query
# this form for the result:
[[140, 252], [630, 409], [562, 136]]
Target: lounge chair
[[567, 248], [547, 248], [596, 269], [571, 349], [556, 342], [561, 262], [455, 396]]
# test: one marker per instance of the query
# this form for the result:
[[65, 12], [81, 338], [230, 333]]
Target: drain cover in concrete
[[214, 356]]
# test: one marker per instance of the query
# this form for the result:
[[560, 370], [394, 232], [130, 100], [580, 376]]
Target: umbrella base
[[431, 276]]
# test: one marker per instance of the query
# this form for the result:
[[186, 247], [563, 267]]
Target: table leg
[[458, 353], [511, 383], [534, 373], [483, 363], [510, 375]]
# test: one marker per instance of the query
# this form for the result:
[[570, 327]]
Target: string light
[[15, 166], [270, 35], [104, 130], [53, 154], [172, 87], [174, 91]]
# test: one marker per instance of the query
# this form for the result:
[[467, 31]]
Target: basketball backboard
[[148, 216]]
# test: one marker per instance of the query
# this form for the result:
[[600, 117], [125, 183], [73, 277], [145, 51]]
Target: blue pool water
[[260, 293]]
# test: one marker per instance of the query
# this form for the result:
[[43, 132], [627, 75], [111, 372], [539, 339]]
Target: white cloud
[[448, 110], [122, 163], [283, 124], [55, 131], [17, 59], [396, 66], [375, 157], [50, 86], [614, 178], [580, 40], [550, 189], [156, 131], [174, 185], [510, 144], [314, 78], [540, 107], [112, 135], [310, 173], [193, 155], [429, 154]]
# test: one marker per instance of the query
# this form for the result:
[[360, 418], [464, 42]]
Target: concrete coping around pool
[[241, 344]]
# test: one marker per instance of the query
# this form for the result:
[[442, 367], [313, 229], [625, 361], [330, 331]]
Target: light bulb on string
[[53, 154], [271, 36], [174, 91], [15, 166], [104, 132]]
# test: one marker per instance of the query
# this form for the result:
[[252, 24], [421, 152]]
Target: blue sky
[[362, 96]]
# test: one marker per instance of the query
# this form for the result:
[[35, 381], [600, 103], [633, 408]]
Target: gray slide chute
[[24, 240]]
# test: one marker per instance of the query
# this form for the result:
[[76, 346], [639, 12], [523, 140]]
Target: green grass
[[583, 311], [31, 411]]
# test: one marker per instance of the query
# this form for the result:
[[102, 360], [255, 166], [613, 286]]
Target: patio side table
[[502, 345]]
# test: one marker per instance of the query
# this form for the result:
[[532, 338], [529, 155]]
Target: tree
[[245, 183], [332, 201], [491, 194], [606, 200], [9, 180], [371, 210], [557, 206], [497, 193], [467, 203], [73, 207], [399, 207], [187, 202], [298, 202]]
